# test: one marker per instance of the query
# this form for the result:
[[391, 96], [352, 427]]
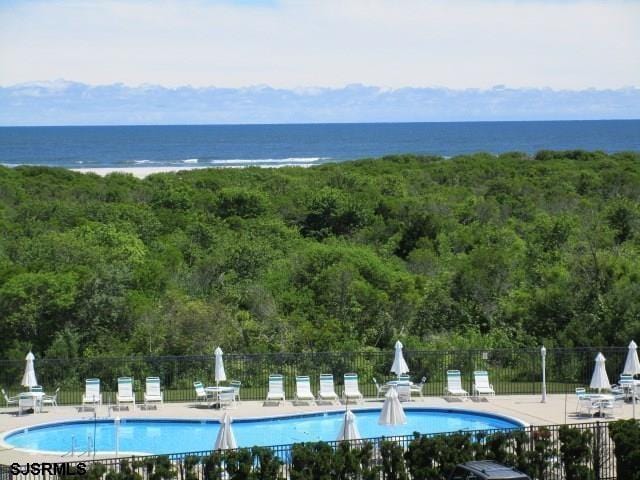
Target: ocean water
[[278, 145]]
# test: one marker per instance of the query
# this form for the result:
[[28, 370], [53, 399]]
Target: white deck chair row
[[481, 385], [152, 394], [303, 388]]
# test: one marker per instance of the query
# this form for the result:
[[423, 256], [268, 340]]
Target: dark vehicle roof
[[490, 469]]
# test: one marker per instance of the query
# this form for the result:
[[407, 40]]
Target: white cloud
[[466, 43]]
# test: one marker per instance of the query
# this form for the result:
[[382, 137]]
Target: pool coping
[[355, 408]]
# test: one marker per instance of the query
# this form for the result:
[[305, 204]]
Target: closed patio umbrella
[[225, 439], [600, 380], [220, 376], [349, 430], [399, 366], [392, 412], [632, 364], [29, 378]]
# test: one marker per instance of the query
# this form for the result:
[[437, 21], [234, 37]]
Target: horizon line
[[275, 124], [43, 83]]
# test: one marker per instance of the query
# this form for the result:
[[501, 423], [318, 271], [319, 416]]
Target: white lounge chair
[[125, 392], [10, 400], [51, 399], [351, 388], [454, 384], [327, 390], [92, 395], [404, 391], [152, 393], [236, 384], [303, 389], [481, 385], [276, 388]]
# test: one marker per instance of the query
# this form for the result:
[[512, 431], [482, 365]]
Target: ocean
[[304, 145]]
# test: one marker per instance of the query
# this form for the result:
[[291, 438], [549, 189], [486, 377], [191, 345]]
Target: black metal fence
[[540, 447], [511, 371]]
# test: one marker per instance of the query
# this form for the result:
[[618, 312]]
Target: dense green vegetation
[[471, 251]]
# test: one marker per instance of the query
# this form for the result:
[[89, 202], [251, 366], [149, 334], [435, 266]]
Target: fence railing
[[511, 371], [537, 450]]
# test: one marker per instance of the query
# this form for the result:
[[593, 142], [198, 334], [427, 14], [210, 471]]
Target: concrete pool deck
[[559, 409]]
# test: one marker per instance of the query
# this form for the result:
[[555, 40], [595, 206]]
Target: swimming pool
[[158, 436]]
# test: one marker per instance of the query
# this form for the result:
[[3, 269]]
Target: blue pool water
[[172, 436]]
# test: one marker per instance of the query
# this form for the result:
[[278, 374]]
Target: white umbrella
[[29, 377], [392, 412], [225, 439], [220, 375], [632, 364], [399, 366], [349, 430], [600, 380]]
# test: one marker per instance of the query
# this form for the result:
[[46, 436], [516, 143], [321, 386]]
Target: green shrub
[[188, 468], [575, 452], [213, 466], [626, 436], [311, 461], [266, 465], [393, 466], [538, 458]]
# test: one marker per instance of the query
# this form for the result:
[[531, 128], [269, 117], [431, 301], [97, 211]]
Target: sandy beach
[[138, 172]]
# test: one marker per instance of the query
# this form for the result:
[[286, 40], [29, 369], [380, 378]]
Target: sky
[[461, 44]]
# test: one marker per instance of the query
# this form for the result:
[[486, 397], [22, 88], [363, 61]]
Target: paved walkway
[[559, 409]]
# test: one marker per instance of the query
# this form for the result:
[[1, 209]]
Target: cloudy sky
[[457, 44]]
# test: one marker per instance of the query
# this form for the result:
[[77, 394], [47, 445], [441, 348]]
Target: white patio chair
[[303, 389], [481, 385], [125, 392], [351, 388], [418, 387], [380, 390], [92, 395], [152, 393], [51, 399], [201, 393], [404, 391], [580, 392], [614, 405], [26, 401], [9, 400], [236, 384], [626, 385], [587, 406], [454, 384], [276, 388], [227, 398], [327, 390]]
